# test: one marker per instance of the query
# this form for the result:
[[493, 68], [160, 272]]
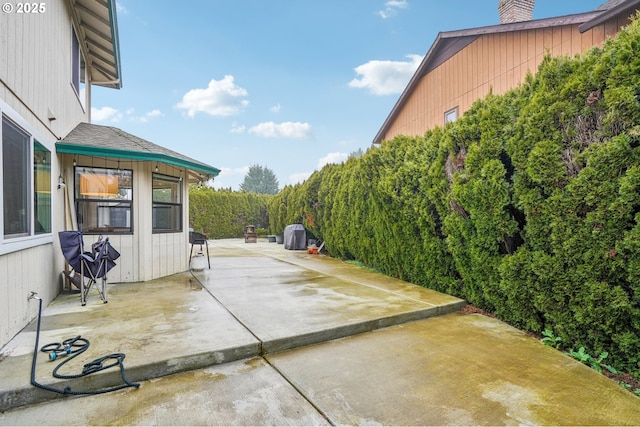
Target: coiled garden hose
[[73, 347]]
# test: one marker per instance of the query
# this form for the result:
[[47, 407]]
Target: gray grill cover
[[295, 237]]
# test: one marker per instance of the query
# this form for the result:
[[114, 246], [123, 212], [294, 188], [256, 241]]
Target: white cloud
[[148, 116], [391, 8], [228, 172], [332, 158], [121, 9], [105, 114], [220, 98], [275, 108], [236, 128], [385, 77], [289, 130], [296, 178], [108, 114]]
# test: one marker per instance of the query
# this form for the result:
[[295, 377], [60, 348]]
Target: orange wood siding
[[493, 62]]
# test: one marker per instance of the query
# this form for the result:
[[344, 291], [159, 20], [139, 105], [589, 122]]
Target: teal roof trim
[[116, 41], [85, 150]]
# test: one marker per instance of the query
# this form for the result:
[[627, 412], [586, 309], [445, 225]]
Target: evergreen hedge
[[527, 206], [224, 213]]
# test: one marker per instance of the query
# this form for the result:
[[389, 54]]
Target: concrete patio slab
[[363, 349], [256, 299], [453, 369], [449, 370], [247, 392], [163, 327]]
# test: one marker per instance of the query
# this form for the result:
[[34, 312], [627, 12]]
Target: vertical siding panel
[[472, 63], [129, 264], [510, 60], [547, 41], [485, 62], [440, 88], [587, 40], [4, 53], [491, 63], [502, 64], [517, 54], [458, 87], [598, 35], [566, 41], [17, 276], [576, 41], [540, 47], [434, 95], [6, 333], [502, 70], [160, 254], [531, 51], [556, 41], [12, 48], [610, 29]]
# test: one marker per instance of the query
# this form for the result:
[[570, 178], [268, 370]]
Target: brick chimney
[[515, 10]]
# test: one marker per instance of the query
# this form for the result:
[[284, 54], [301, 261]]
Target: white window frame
[[157, 204], [78, 69], [451, 115], [14, 244], [104, 203]]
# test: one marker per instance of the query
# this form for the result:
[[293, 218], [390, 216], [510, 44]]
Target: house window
[[451, 116], [41, 188], [78, 68], [104, 200], [167, 204], [26, 183]]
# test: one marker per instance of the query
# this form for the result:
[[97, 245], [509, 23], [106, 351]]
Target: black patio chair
[[91, 265], [196, 238]]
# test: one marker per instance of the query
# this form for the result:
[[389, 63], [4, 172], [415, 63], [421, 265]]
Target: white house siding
[[35, 63], [35, 79], [21, 272], [144, 255], [36, 83]]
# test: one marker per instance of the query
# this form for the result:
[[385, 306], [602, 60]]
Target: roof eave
[[626, 7], [116, 41], [471, 32], [405, 93], [98, 30], [86, 150]]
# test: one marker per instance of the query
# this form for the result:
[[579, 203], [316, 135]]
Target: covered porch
[[133, 191]]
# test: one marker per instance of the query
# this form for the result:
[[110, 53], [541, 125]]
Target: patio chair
[[90, 266], [196, 238]]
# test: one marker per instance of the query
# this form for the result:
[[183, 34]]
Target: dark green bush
[[224, 214], [528, 205]]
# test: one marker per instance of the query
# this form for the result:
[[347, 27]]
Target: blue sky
[[286, 84]]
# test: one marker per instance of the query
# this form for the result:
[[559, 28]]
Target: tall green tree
[[261, 180]]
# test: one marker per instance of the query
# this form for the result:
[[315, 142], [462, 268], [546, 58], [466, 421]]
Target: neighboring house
[[59, 172], [466, 65]]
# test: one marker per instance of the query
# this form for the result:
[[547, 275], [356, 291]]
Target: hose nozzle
[[58, 354]]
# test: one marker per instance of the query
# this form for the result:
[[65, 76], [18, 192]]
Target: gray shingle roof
[[91, 139], [610, 4]]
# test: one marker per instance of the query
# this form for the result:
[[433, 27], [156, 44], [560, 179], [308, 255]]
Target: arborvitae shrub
[[528, 205]]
